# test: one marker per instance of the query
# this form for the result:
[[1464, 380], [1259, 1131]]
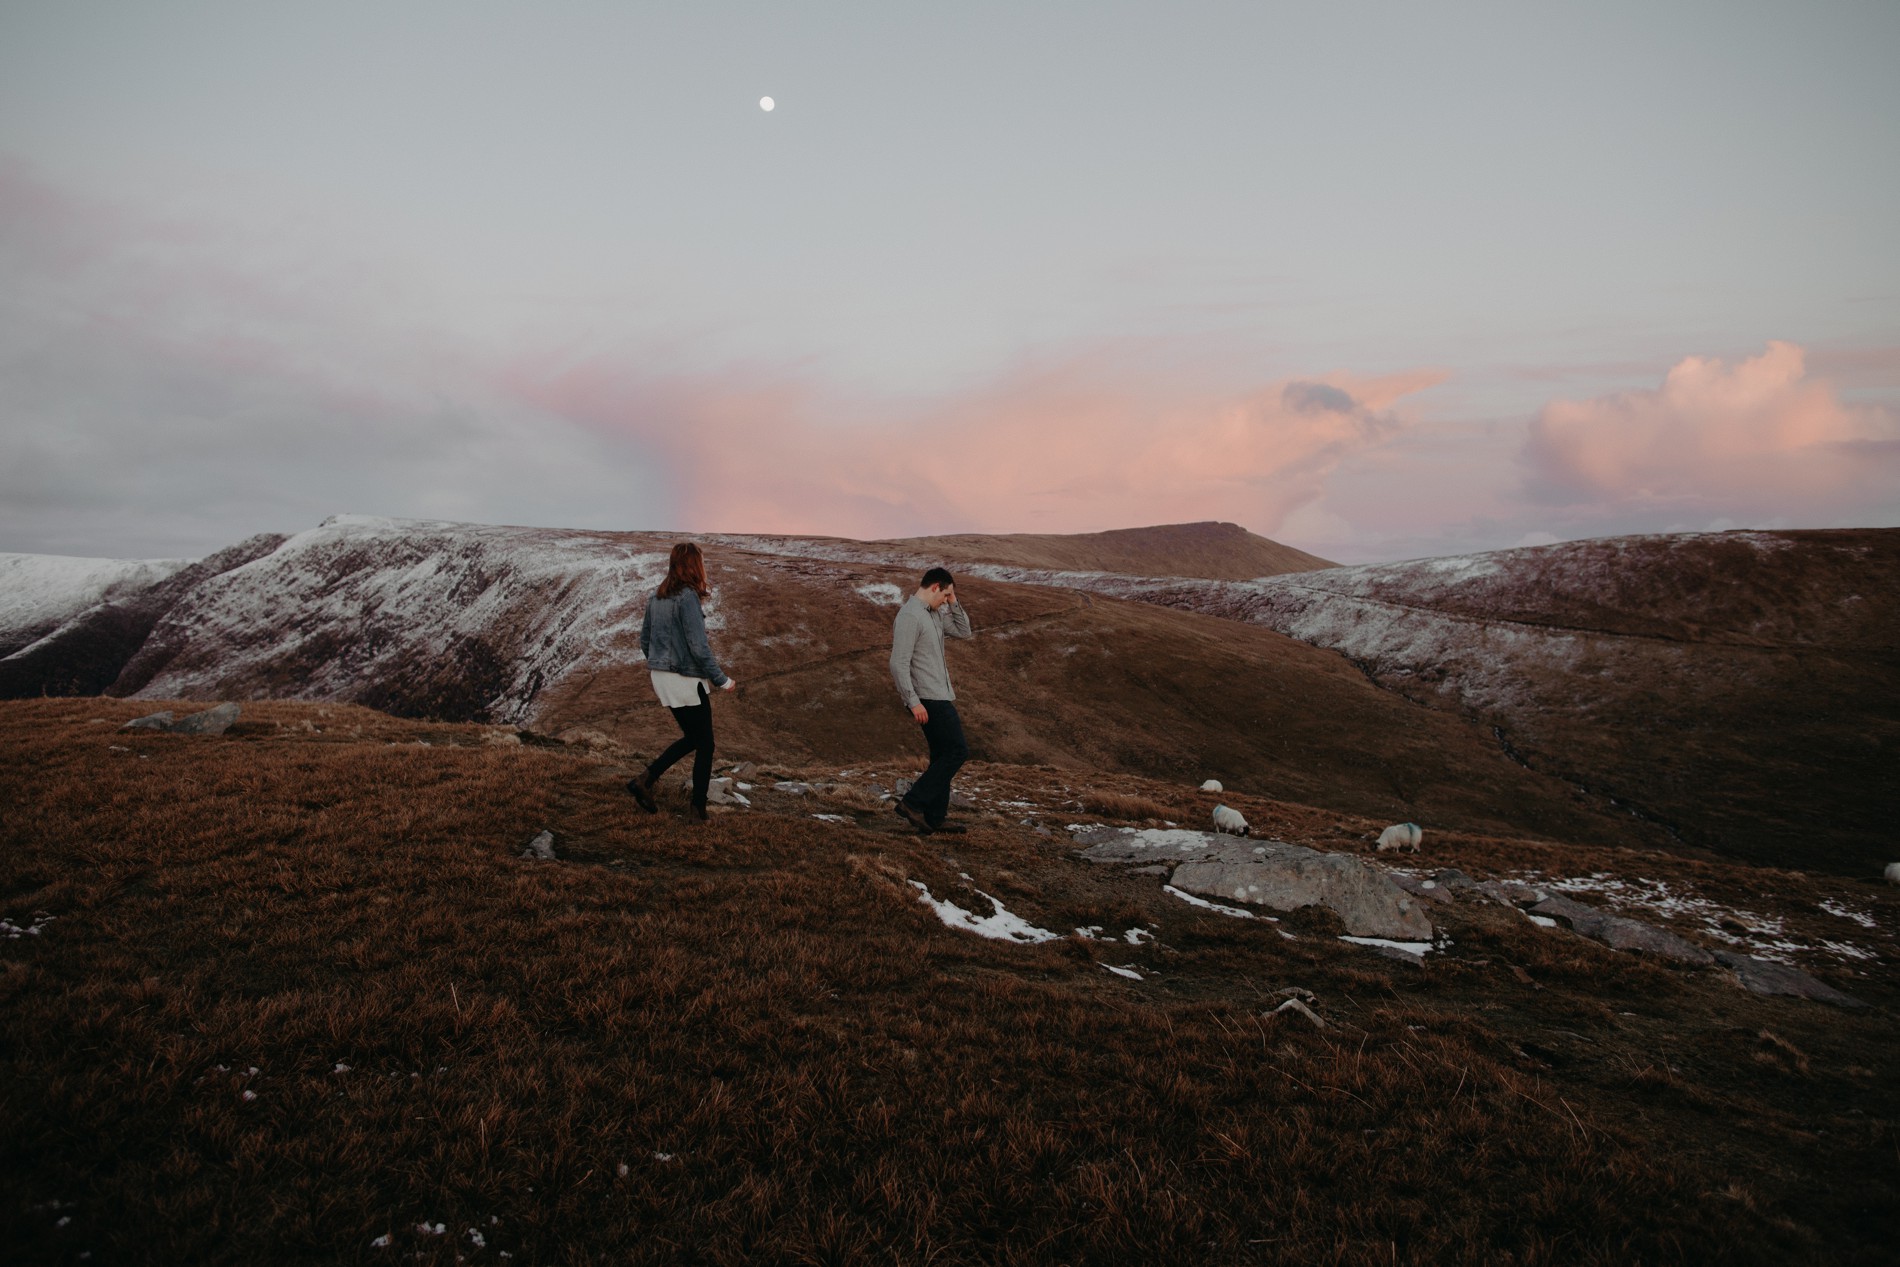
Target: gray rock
[[1419, 886], [1151, 845], [1512, 893], [1619, 933], [1452, 878], [541, 847], [722, 792], [1761, 976], [212, 721], [154, 721], [1287, 877]]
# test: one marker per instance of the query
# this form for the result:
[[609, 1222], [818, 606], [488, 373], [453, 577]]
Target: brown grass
[[1123, 805], [793, 1061]]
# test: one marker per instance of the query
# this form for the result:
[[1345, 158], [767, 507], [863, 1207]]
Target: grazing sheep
[[1212, 785], [1893, 873], [1400, 836], [1230, 821]]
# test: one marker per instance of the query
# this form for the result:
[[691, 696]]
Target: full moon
[[766, 104]]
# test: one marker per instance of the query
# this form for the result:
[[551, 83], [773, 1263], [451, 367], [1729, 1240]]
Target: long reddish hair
[[685, 571]]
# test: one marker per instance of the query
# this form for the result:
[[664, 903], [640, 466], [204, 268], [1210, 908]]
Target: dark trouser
[[696, 737], [930, 795]]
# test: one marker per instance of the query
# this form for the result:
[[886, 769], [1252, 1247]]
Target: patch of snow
[[1206, 905], [883, 593], [1842, 911], [831, 818], [1847, 950], [1136, 936], [1542, 921], [1128, 972], [1001, 926], [381, 1242], [15, 931], [1419, 948]]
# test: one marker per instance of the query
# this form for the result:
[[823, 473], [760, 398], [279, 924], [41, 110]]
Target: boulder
[[541, 847], [1288, 877], [1620, 933], [212, 721], [153, 721], [1269, 873], [1762, 976]]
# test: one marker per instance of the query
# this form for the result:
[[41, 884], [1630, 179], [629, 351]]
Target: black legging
[[696, 737]]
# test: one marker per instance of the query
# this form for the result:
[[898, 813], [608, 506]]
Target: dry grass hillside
[[292, 995], [1088, 685], [1218, 551], [1739, 691]]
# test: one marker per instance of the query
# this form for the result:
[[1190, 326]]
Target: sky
[[1379, 281]]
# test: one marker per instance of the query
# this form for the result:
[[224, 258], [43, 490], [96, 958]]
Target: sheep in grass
[[1400, 836], [1229, 821], [1212, 785], [1893, 873]]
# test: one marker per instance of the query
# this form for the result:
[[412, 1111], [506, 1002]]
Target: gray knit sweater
[[917, 649]]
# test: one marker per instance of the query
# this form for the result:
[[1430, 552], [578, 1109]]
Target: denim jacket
[[673, 638]]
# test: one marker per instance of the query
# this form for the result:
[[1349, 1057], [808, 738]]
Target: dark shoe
[[643, 793], [949, 829], [914, 816], [695, 813]]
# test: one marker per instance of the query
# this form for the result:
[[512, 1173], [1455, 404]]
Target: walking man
[[932, 614]]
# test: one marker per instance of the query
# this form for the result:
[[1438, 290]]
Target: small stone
[[541, 847], [1761, 976], [212, 721]]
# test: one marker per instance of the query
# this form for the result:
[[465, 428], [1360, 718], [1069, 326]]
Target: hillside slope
[[1218, 551], [1740, 690], [540, 628]]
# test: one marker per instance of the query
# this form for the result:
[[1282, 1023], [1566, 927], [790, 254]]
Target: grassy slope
[[833, 1076], [1220, 551], [1057, 678]]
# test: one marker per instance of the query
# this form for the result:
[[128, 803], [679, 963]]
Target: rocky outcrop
[[1273, 874], [209, 721]]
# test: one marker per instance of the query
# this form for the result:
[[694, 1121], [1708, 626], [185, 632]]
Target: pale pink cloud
[[1087, 444], [1758, 438]]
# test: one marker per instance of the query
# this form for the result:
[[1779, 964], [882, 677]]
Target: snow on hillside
[[361, 598], [39, 592]]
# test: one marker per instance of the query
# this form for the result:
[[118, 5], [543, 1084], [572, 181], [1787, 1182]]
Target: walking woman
[[680, 661]]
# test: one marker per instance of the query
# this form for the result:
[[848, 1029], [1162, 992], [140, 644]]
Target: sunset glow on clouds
[[1756, 438], [1077, 447]]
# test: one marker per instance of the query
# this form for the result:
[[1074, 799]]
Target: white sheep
[[1893, 873], [1400, 836], [1229, 821], [1212, 785]]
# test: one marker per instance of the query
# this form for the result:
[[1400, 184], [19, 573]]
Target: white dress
[[676, 690]]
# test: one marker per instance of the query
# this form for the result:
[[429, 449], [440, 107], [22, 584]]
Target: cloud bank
[[1086, 444], [1759, 439]]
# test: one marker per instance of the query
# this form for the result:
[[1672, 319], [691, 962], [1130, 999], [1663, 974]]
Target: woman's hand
[[731, 684]]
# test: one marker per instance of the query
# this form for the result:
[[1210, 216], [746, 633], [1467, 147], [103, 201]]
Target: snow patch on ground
[[1127, 971], [1216, 907], [883, 593], [1001, 926], [1419, 948], [1841, 910]]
